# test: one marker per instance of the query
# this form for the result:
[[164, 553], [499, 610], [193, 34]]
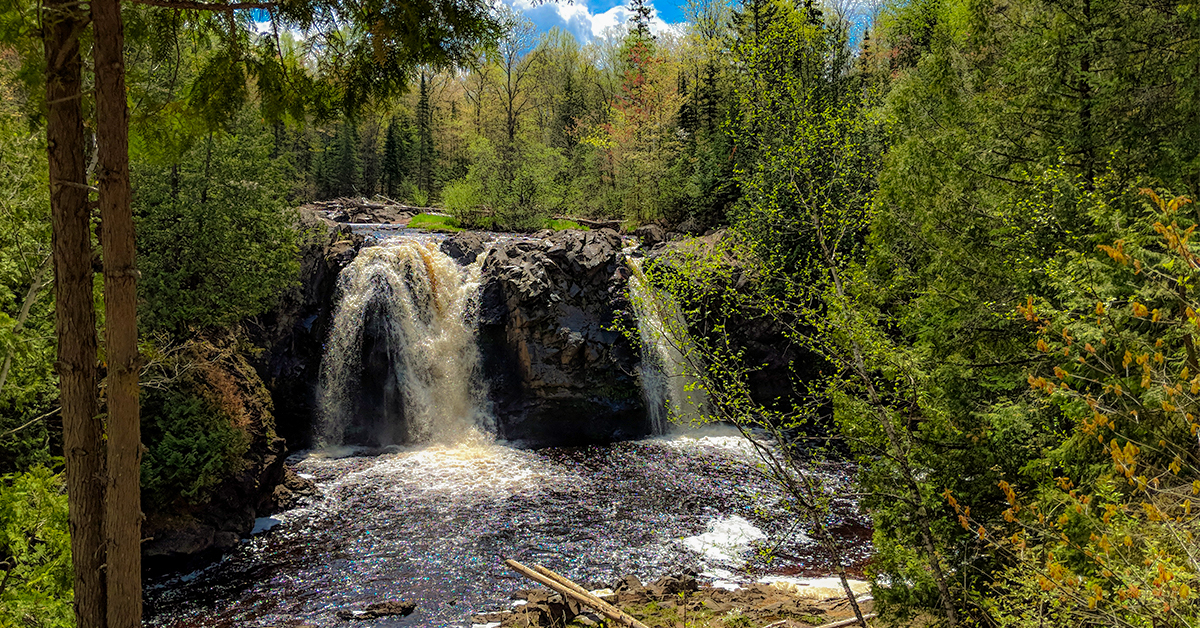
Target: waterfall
[[402, 364], [669, 360]]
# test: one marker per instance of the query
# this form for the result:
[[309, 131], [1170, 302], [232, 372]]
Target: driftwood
[[847, 622], [574, 591], [594, 224]]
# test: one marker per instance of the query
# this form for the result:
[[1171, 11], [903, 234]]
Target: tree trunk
[[75, 318], [123, 515]]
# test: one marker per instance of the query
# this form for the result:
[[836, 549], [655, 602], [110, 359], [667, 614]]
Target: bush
[[191, 448], [35, 551], [215, 240]]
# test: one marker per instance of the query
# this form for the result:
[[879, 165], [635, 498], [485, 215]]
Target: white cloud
[[578, 19]]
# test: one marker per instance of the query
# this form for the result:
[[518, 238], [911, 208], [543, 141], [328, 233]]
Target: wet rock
[[691, 227], [179, 530], [464, 247], [293, 492], [551, 353], [379, 609], [650, 234], [670, 586]]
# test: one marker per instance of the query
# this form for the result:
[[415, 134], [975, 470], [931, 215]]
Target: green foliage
[[35, 551], [1107, 537], [215, 240], [191, 447], [434, 223], [27, 380], [515, 188]]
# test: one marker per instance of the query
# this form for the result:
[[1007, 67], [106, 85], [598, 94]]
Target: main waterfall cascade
[[421, 306], [669, 360]]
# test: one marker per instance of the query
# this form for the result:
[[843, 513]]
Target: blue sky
[[588, 18]]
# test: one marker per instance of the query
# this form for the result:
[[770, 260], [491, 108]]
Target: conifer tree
[[395, 155], [424, 139], [639, 19]]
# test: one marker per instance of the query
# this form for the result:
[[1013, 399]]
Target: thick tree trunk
[[75, 318], [123, 515]]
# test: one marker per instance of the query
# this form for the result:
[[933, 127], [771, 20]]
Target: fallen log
[[847, 622], [571, 590], [578, 589]]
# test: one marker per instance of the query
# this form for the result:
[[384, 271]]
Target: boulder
[[691, 227], [183, 532], [650, 234], [464, 247], [558, 369]]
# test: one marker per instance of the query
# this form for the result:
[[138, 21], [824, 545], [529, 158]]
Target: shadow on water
[[432, 525]]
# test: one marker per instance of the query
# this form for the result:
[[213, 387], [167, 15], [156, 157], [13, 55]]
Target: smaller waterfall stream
[[669, 360], [402, 354]]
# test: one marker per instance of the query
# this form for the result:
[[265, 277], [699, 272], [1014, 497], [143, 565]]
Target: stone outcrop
[[558, 369], [775, 361], [294, 332], [464, 247], [178, 528]]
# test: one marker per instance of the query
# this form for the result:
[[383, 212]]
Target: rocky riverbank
[[681, 600]]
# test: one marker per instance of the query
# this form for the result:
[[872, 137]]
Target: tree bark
[[75, 318], [123, 515]]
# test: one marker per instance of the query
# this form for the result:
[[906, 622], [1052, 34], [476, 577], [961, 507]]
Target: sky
[[587, 19]]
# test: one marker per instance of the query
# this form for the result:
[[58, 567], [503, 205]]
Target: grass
[[561, 225], [431, 222]]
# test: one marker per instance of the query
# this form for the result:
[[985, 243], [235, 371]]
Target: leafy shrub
[[215, 239], [191, 447], [35, 551], [1108, 536]]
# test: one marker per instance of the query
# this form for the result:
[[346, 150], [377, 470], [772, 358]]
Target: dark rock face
[[294, 332], [558, 372], [464, 247]]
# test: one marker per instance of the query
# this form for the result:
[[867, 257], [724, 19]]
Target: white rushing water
[[669, 359], [422, 304]]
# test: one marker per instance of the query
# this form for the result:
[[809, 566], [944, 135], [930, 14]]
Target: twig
[[31, 422]]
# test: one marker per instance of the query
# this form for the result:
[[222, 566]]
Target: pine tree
[[639, 19], [752, 19], [396, 147], [346, 166], [424, 139]]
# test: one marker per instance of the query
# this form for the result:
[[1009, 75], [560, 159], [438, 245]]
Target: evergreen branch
[[194, 5]]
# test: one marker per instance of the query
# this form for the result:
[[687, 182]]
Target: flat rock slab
[[377, 610]]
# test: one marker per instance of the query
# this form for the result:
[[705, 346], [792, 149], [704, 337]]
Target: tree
[[396, 147], [75, 318], [368, 61], [516, 56], [425, 148], [640, 14]]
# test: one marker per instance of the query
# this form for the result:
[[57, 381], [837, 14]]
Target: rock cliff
[[559, 370]]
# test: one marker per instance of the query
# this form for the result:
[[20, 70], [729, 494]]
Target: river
[[433, 524]]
